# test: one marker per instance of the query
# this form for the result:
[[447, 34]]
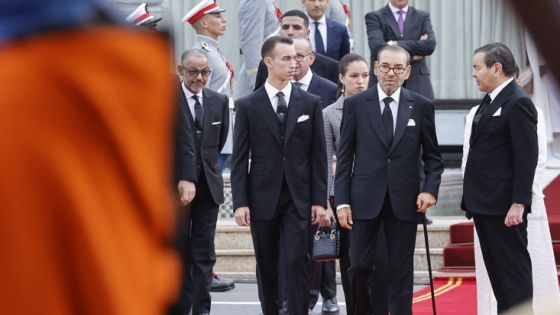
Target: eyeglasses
[[195, 72], [299, 57], [396, 69]]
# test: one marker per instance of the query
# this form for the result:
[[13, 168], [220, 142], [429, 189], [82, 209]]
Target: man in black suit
[[328, 37], [499, 174], [308, 81], [207, 113], [403, 25], [385, 131], [295, 24], [283, 187]]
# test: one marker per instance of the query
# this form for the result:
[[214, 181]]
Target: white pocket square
[[302, 118], [498, 112], [216, 123], [411, 122]]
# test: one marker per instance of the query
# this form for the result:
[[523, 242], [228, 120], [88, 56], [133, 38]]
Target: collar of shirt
[[206, 39], [322, 29], [271, 91], [395, 10], [306, 80], [190, 100], [394, 105], [498, 89]]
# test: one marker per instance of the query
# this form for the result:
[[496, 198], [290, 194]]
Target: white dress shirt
[[322, 29], [395, 10], [498, 89], [190, 100], [306, 80], [271, 91], [394, 105]]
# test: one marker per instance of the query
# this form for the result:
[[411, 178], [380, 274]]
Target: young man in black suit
[[295, 24], [207, 114], [385, 131], [499, 174], [279, 175], [402, 25]]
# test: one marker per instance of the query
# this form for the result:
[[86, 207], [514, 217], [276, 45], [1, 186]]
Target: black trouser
[[266, 241], [507, 260], [401, 238], [198, 253]]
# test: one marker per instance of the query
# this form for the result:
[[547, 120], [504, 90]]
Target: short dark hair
[[498, 53], [297, 13], [394, 48], [271, 42], [193, 52]]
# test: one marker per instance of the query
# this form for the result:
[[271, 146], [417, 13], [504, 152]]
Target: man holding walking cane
[[386, 130]]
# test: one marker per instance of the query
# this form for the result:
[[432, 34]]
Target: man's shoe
[[221, 285], [330, 306]]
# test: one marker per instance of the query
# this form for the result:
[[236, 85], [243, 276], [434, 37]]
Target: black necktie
[[388, 120], [198, 113], [297, 84], [319, 46], [281, 110], [479, 114]]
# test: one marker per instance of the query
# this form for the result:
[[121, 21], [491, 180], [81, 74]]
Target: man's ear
[[180, 69], [312, 58], [407, 72], [267, 61]]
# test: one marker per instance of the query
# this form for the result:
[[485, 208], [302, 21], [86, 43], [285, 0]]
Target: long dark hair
[[343, 68]]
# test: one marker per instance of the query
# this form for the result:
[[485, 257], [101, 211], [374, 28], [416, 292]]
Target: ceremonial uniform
[[258, 19], [222, 72]]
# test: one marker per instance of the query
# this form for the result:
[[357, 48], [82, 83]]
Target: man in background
[[402, 25], [295, 24], [327, 37]]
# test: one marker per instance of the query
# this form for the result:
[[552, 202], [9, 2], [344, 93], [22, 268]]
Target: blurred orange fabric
[[86, 213]]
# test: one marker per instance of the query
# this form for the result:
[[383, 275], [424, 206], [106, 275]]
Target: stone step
[[243, 260], [229, 236]]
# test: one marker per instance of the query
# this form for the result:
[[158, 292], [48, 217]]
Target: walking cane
[[423, 218]]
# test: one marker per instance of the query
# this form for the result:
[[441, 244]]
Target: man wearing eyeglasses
[[207, 113], [384, 132], [308, 81]]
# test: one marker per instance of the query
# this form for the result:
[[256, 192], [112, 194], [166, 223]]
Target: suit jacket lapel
[[409, 21], [208, 105], [314, 86], [390, 19], [502, 97], [403, 115], [374, 114], [331, 36], [294, 110], [265, 110], [185, 104]]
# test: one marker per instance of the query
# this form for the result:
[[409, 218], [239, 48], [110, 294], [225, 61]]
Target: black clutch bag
[[326, 243]]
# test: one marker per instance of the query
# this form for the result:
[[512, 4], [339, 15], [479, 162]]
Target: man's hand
[[417, 58], [187, 191], [424, 201], [328, 218], [242, 216], [424, 36], [345, 217], [317, 214], [514, 215]]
